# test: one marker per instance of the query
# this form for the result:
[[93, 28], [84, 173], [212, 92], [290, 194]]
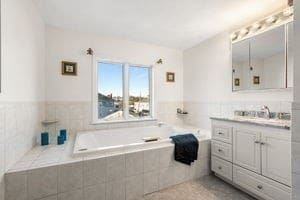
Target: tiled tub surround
[[19, 126], [200, 112], [76, 116], [52, 173], [111, 140]]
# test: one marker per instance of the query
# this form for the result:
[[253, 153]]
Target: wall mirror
[[263, 61]]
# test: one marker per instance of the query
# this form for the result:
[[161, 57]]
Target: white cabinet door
[[246, 149], [276, 156]]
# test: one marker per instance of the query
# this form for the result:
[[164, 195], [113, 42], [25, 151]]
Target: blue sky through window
[[110, 80], [138, 81]]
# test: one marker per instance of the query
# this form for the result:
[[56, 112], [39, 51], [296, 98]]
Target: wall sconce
[[89, 51], [160, 61]]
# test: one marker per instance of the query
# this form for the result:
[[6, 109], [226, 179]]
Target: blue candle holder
[[44, 138], [60, 140], [63, 133]]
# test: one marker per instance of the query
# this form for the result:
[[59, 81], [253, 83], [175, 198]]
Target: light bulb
[[255, 26], [288, 12], [233, 36], [244, 31], [271, 19]]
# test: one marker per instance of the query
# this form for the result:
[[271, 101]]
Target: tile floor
[[206, 188]]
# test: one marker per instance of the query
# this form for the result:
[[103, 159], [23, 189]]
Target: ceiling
[[173, 23]]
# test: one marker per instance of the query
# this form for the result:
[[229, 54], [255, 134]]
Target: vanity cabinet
[[259, 157], [246, 149]]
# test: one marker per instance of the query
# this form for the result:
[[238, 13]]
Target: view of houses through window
[[115, 84]]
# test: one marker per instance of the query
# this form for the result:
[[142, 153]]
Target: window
[[122, 92], [139, 92]]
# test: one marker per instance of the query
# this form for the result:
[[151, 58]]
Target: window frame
[[125, 77]]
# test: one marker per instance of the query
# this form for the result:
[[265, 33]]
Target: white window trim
[[95, 119]]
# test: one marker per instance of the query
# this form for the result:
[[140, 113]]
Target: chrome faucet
[[267, 111]]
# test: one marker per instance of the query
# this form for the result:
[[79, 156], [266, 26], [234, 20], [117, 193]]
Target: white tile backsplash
[[151, 182], [70, 176], [115, 190], [134, 163], [42, 182], [151, 160], [94, 171], [115, 168], [94, 192], [200, 112], [20, 125], [113, 176], [76, 116], [134, 187], [71, 195], [16, 186]]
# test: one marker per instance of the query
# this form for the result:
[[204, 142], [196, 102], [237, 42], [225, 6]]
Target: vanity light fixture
[[276, 19]]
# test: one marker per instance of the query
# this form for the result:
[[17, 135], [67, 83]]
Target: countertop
[[273, 123]]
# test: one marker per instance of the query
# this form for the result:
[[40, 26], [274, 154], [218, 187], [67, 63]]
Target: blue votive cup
[[60, 140], [63, 133], [44, 138]]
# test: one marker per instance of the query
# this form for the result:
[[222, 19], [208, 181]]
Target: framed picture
[[170, 77], [236, 82], [69, 68], [256, 80]]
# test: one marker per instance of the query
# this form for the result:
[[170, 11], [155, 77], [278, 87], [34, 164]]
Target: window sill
[[122, 121]]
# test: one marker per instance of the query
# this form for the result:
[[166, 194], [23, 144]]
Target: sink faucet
[[267, 111]]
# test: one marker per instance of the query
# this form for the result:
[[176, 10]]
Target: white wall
[[23, 86], [207, 69], [22, 52], [208, 85], [71, 46], [69, 97]]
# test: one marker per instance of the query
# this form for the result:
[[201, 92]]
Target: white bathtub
[[105, 141]]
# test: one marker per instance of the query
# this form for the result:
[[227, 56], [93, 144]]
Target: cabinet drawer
[[221, 167], [222, 133], [222, 150], [259, 185]]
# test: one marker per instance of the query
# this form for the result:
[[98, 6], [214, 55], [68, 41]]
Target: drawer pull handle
[[220, 150], [262, 143], [257, 142], [220, 168], [220, 133], [260, 187]]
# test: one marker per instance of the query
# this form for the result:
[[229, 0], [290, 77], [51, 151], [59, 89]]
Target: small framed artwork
[[170, 76], [256, 80], [236, 82], [69, 68]]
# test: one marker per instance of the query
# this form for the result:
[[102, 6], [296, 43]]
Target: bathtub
[[118, 173], [106, 141]]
